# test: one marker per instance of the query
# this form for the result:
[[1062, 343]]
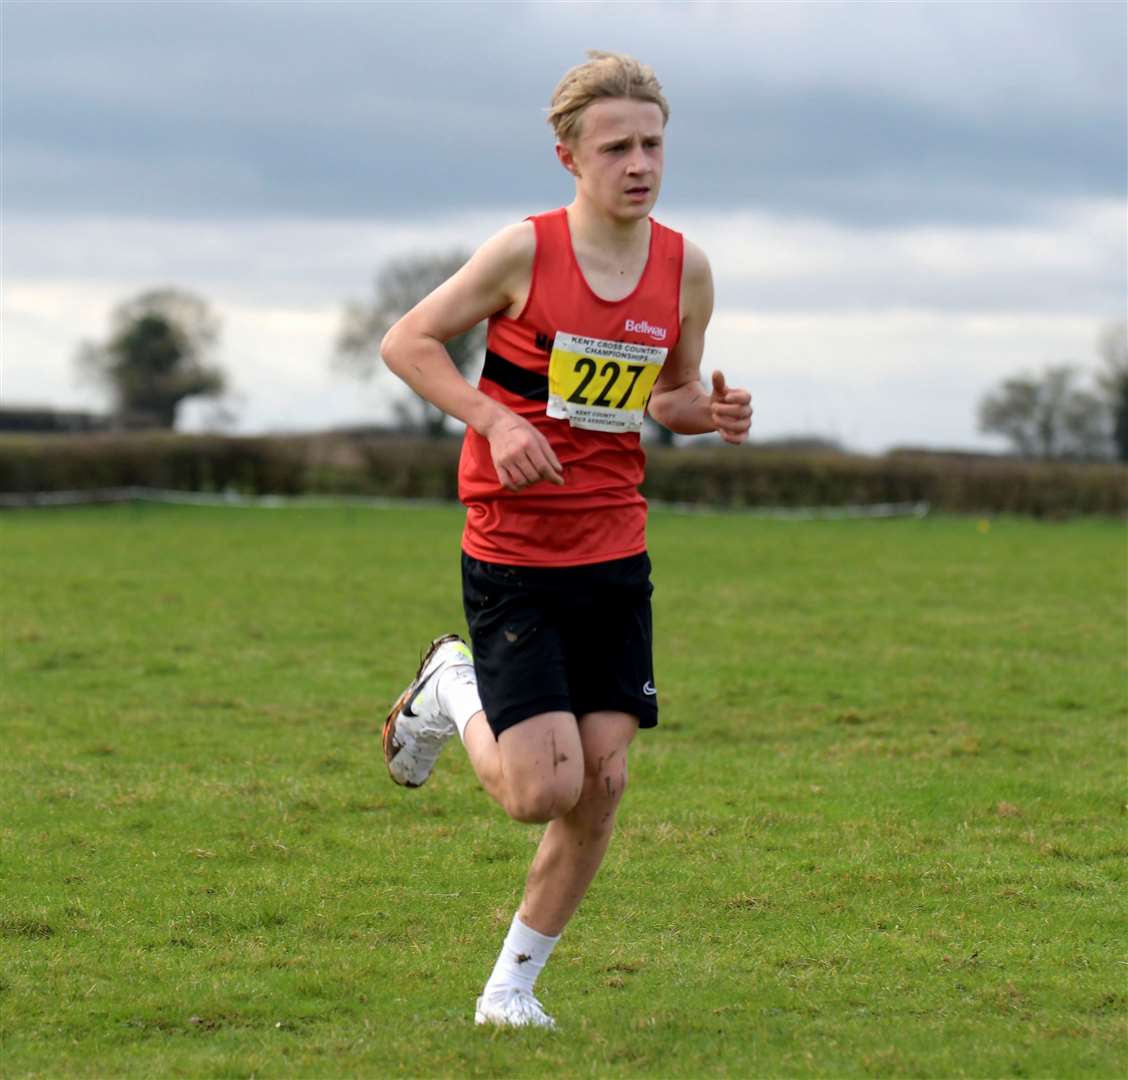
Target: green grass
[[880, 831]]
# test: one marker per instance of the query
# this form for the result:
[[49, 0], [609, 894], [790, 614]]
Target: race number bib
[[601, 385]]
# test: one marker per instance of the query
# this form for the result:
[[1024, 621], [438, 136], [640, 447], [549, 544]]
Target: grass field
[[880, 831]]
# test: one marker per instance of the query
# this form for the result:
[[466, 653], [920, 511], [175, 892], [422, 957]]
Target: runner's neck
[[594, 230], [612, 258]]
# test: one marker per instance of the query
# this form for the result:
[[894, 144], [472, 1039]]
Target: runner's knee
[[543, 800], [605, 780], [607, 783], [542, 765]]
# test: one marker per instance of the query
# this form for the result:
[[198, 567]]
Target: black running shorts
[[574, 638]]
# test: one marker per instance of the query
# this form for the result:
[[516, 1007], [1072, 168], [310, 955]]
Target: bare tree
[[156, 355], [1047, 416], [1113, 381], [400, 284]]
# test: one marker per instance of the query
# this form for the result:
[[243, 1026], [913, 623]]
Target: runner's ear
[[566, 158]]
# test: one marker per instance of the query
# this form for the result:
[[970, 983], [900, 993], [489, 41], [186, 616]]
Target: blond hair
[[605, 75]]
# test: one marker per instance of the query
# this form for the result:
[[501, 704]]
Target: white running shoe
[[417, 728], [512, 1008]]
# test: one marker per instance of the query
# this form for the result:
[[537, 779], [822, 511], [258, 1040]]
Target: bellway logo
[[656, 332]]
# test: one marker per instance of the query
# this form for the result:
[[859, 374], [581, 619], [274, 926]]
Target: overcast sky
[[903, 202]]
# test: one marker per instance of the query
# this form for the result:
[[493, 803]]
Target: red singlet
[[579, 368]]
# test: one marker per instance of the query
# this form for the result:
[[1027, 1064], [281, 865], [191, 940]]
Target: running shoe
[[417, 728], [512, 1008]]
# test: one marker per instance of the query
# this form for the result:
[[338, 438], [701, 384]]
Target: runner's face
[[617, 158]]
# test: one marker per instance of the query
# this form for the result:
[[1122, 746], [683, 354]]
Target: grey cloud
[[345, 110], [1076, 264], [1094, 291]]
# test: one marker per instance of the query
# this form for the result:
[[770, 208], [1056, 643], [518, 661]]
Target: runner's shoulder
[[696, 284], [695, 265], [509, 252]]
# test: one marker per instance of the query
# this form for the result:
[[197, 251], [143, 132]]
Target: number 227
[[611, 371]]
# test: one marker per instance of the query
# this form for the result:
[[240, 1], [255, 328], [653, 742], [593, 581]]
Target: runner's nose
[[636, 162]]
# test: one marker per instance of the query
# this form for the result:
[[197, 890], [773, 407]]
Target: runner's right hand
[[521, 454]]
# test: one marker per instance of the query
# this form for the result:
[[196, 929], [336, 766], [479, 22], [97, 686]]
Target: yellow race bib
[[601, 385]]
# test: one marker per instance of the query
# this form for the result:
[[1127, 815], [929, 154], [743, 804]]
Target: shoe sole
[[389, 734], [484, 1020]]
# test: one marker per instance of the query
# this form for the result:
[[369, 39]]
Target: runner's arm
[[679, 401], [413, 349]]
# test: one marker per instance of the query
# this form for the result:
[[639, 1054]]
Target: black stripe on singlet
[[514, 378]]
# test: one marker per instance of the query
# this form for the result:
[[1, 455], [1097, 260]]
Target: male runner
[[597, 313]]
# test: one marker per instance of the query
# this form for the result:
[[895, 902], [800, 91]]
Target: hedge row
[[718, 476], [956, 484], [165, 460]]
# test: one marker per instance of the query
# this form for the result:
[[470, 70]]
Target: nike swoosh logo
[[418, 690], [649, 689]]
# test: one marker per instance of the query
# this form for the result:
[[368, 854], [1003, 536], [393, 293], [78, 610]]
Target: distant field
[[881, 830]]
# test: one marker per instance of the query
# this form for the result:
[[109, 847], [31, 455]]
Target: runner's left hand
[[730, 410]]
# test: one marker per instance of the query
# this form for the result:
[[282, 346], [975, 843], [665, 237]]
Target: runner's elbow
[[682, 409], [391, 348], [659, 410], [409, 352]]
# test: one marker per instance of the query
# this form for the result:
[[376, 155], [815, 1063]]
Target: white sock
[[457, 691], [523, 955]]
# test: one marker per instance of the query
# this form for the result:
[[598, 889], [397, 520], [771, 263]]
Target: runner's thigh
[[518, 654], [607, 644]]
